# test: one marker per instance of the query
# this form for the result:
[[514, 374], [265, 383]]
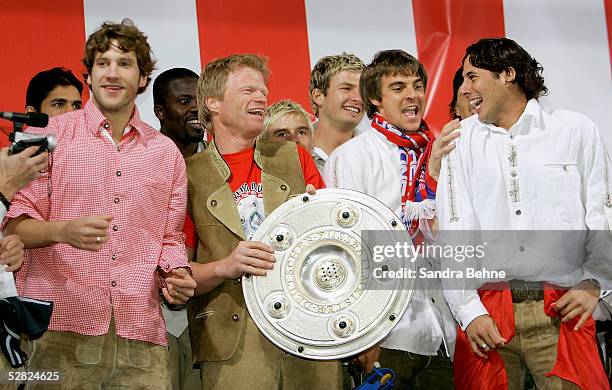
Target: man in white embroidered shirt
[[389, 161], [519, 172]]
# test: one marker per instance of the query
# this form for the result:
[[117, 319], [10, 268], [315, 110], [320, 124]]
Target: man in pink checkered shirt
[[104, 228]]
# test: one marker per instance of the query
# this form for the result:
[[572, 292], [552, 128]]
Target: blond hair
[[279, 110], [326, 68], [213, 79]]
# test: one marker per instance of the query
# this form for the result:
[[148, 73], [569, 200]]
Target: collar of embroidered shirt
[[530, 119]]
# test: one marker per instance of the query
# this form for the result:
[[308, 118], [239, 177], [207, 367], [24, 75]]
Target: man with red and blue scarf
[[397, 162]]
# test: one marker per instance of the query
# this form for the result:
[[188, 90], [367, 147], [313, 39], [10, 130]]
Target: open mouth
[[194, 123], [352, 109], [475, 104], [410, 111], [256, 111]]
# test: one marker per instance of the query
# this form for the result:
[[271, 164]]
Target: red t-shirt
[[245, 183]]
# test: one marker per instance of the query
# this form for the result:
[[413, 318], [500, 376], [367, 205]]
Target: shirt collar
[[531, 118], [320, 153], [221, 164], [97, 121]]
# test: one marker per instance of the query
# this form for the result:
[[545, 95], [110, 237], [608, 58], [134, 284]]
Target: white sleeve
[[598, 210], [455, 212], [342, 171]]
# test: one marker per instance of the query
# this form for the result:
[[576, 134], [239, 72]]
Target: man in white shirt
[[335, 101], [389, 162], [518, 167]]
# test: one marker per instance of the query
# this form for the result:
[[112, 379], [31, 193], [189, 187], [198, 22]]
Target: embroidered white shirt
[[547, 172]]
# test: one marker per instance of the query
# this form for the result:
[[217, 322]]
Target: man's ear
[[212, 104], [375, 102], [509, 75], [159, 111], [317, 96], [30, 109]]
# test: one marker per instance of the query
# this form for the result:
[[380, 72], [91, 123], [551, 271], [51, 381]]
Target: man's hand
[[367, 358], [310, 189], [180, 286], [483, 335], [581, 301], [249, 257], [18, 170], [11, 252], [88, 233], [442, 146]]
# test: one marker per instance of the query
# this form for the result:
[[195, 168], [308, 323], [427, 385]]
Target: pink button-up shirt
[[142, 184]]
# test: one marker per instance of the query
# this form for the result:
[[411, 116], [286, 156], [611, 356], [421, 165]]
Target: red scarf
[[420, 143], [577, 356]]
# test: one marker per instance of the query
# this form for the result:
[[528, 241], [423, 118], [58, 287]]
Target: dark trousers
[[413, 371]]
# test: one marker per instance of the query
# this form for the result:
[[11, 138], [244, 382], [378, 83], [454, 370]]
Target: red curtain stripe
[[608, 7], [37, 35], [274, 28], [443, 30]]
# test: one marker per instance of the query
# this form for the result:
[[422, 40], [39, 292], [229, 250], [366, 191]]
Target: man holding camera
[[16, 171]]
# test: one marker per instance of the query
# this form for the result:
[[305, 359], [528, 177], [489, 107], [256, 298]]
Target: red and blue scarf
[[414, 148]]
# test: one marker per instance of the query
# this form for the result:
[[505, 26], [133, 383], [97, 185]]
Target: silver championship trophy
[[322, 300]]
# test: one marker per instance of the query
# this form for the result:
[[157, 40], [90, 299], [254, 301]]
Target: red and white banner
[[571, 39]]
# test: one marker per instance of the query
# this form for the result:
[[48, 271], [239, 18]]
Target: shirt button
[[283, 187], [433, 300], [106, 126], [116, 200], [213, 203], [521, 248], [235, 318], [518, 212], [513, 173], [115, 228], [511, 136], [565, 168], [118, 173], [114, 257], [114, 284], [237, 281]]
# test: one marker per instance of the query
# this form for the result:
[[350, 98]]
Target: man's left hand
[[581, 301], [443, 145], [180, 286], [310, 189], [11, 252]]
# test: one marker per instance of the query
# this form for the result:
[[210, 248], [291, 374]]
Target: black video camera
[[22, 141]]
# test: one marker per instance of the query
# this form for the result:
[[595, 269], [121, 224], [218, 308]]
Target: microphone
[[34, 119]]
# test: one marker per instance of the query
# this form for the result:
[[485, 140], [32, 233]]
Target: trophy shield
[[321, 301]]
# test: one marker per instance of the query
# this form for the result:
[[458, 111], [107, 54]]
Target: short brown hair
[[326, 68], [385, 63], [129, 37], [213, 79]]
